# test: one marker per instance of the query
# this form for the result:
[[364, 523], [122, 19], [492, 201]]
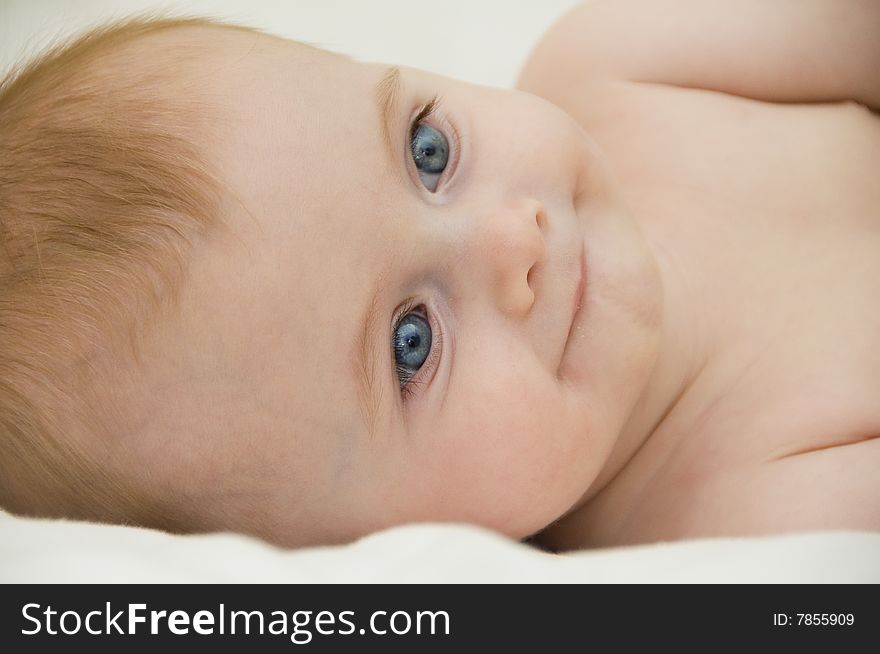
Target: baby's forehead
[[191, 52], [201, 37], [244, 69], [206, 42]]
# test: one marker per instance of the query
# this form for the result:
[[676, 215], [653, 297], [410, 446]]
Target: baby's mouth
[[577, 303]]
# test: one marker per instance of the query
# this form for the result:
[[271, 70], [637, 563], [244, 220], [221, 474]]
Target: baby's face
[[444, 316]]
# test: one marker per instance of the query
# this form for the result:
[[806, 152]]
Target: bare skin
[[769, 216], [715, 372]]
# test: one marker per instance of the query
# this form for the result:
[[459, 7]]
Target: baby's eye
[[430, 152], [412, 345]]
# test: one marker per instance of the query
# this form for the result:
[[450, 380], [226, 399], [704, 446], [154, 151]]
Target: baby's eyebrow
[[369, 361], [387, 93]]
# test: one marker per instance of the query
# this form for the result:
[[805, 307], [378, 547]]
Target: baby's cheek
[[506, 416], [538, 447], [493, 455], [506, 435]]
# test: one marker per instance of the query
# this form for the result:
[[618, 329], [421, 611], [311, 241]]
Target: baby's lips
[[575, 329]]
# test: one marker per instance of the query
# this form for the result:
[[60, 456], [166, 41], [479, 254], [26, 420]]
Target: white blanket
[[38, 551]]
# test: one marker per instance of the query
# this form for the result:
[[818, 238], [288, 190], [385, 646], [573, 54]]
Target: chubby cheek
[[501, 455]]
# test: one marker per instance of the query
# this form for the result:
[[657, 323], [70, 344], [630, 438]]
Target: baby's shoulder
[[828, 487], [553, 69], [562, 70], [590, 56], [751, 49]]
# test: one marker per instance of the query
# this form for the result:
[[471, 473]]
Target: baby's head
[[251, 285]]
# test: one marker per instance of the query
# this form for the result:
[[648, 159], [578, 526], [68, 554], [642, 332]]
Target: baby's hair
[[103, 191]]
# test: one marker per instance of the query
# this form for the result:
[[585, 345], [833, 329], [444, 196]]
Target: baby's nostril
[[540, 218]]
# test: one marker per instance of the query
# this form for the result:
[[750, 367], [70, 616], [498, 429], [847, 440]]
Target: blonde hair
[[103, 191]]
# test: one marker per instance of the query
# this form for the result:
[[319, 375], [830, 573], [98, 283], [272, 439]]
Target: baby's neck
[[690, 339], [701, 345]]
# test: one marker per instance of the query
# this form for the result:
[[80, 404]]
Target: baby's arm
[[776, 50]]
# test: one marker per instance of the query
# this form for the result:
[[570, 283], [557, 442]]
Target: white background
[[483, 41]]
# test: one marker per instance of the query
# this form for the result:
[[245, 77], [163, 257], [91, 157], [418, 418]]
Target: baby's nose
[[510, 240]]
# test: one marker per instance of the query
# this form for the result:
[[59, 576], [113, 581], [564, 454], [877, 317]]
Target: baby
[[250, 285]]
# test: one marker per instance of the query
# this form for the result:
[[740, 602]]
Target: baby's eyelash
[[408, 389], [424, 113]]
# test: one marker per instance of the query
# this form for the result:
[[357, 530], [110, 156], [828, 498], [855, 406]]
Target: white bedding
[[38, 551]]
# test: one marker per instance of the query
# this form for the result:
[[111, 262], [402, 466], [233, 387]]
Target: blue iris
[[412, 345], [430, 152]]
